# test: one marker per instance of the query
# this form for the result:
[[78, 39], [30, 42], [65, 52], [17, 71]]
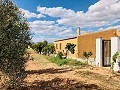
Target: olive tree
[[14, 39], [70, 47], [87, 55]]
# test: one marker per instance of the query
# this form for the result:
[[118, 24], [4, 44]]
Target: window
[[60, 46], [56, 46]]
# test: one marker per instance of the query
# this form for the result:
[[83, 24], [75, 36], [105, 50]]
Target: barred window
[[60, 46], [56, 46]]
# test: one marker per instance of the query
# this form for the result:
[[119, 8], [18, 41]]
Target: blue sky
[[56, 19]]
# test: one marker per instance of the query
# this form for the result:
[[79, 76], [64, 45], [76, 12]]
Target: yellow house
[[86, 42]]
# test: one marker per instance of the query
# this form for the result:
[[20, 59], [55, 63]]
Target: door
[[106, 54]]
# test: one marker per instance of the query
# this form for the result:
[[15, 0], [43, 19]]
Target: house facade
[[87, 42]]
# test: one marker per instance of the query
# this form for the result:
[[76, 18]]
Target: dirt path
[[44, 75]]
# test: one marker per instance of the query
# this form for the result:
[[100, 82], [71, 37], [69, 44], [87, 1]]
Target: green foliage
[[70, 47], [39, 46], [59, 55], [114, 57], [87, 55], [62, 62], [76, 63], [45, 43], [59, 61], [44, 47], [48, 49], [45, 50], [35, 47], [14, 39], [51, 48]]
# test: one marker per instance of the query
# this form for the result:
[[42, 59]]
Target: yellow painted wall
[[87, 42], [118, 33], [63, 45]]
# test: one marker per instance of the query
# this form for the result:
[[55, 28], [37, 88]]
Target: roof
[[85, 34], [65, 39]]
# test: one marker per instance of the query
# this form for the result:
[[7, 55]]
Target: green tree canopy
[[87, 55], [70, 47], [44, 47], [14, 39]]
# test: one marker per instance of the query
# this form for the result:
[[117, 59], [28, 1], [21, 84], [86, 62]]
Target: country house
[[103, 44]]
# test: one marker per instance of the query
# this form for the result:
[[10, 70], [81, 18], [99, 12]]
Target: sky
[[57, 19]]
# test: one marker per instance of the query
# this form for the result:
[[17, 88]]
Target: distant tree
[[51, 48], [45, 50], [35, 47], [45, 43], [14, 39], [41, 45], [48, 49], [87, 55], [38, 47], [44, 47]]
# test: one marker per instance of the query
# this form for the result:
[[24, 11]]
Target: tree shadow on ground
[[48, 71], [60, 84]]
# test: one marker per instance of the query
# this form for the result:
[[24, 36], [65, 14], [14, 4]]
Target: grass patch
[[61, 62], [58, 61]]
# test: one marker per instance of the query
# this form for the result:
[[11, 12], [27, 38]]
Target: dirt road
[[44, 75]]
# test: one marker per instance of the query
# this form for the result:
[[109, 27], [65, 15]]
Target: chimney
[[78, 31]]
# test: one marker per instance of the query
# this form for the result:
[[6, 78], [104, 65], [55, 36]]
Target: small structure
[[103, 44]]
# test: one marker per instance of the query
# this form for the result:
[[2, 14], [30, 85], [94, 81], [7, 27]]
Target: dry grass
[[44, 75], [109, 82]]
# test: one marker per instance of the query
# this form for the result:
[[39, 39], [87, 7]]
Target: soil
[[44, 75]]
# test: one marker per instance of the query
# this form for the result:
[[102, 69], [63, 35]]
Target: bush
[[87, 55], [76, 63], [61, 62], [114, 57], [14, 39], [59, 55]]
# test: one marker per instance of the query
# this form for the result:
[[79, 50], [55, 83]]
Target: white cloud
[[50, 28], [102, 13], [42, 27], [40, 39], [29, 14], [56, 11], [66, 33], [111, 27]]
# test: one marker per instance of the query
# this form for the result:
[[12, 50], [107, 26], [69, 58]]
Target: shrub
[[76, 63], [59, 55], [61, 62], [87, 55], [114, 57], [14, 39]]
